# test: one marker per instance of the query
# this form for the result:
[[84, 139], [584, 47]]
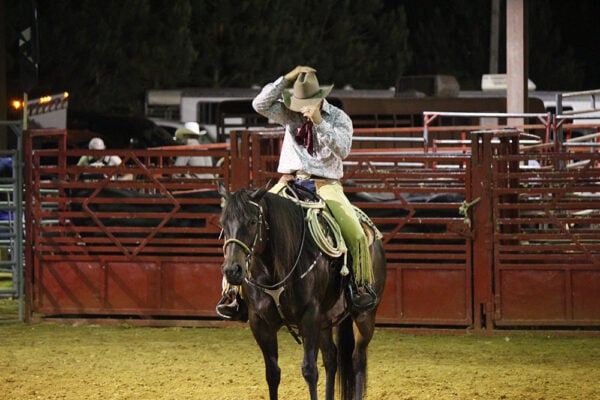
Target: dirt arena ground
[[59, 361]]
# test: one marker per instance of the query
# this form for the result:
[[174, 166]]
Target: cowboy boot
[[232, 307], [362, 298]]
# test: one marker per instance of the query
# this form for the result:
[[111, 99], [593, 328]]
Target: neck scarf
[[304, 137]]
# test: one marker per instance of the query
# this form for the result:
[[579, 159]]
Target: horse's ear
[[223, 192], [222, 189], [259, 193]]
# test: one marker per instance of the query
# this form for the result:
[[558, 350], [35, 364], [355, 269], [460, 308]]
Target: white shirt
[[111, 161], [332, 138], [194, 161]]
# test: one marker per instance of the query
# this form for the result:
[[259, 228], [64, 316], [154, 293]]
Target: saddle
[[323, 226]]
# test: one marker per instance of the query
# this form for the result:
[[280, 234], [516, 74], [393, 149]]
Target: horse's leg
[[329, 353], [363, 333], [310, 336], [266, 337]]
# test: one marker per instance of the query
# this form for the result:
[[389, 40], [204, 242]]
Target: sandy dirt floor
[[61, 361]]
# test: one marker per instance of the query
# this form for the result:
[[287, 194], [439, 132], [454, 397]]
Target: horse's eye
[[253, 222]]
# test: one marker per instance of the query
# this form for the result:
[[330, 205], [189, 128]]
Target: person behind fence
[[91, 161], [318, 136], [192, 135]]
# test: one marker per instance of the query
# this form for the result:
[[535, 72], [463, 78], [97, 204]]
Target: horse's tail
[[346, 376]]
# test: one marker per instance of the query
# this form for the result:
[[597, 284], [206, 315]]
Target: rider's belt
[[304, 175]]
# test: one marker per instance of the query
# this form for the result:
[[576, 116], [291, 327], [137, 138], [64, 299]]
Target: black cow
[[140, 211], [386, 205]]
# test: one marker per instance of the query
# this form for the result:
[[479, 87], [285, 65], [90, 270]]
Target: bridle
[[276, 289], [250, 252]]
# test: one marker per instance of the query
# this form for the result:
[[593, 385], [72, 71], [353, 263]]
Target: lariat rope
[[333, 248]]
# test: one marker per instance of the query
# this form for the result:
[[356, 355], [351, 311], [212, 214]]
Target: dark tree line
[[108, 53]]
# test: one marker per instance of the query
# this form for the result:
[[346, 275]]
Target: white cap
[[97, 144]]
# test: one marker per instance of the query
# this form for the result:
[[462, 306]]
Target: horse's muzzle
[[234, 273]]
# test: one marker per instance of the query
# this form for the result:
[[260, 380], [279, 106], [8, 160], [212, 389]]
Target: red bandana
[[304, 136]]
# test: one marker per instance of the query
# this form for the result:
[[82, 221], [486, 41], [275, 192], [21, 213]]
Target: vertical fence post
[[240, 160], [29, 247], [481, 181]]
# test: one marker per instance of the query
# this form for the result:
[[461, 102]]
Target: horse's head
[[243, 225]]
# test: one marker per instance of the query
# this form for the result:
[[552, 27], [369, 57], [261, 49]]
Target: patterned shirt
[[332, 138]]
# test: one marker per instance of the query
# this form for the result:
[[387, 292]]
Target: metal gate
[[11, 216], [100, 244], [414, 197], [546, 222], [427, 241], [499, 233], [473, 237]]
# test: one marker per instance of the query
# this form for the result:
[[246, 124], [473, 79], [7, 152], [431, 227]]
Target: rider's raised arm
[[268, 102]]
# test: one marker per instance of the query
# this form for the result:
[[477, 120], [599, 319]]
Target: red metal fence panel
[[547, 238], [478, 232], [146, 245], [414, 199]]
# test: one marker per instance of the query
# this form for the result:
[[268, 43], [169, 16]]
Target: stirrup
[[232, 309], [226, 308], [362, 301]]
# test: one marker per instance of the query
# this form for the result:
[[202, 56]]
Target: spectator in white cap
[[192, 135], [98, 144]]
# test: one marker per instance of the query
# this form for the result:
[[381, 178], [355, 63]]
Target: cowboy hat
[[190, 129], [306, 92]]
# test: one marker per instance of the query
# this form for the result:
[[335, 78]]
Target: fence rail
[[468, 228]]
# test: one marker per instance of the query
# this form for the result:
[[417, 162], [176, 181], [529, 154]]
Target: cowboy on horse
[[318, 136]]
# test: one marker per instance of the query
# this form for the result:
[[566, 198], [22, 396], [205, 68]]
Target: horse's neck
[[284, 235]]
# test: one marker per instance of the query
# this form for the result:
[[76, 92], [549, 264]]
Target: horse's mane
[[237, 205], [286, 221]]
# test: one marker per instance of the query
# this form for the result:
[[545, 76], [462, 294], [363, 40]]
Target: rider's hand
[[293, 74], [285, 178], [313, 113]]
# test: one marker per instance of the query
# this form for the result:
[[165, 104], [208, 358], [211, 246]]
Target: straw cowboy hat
[[306, 92], [190, 129]]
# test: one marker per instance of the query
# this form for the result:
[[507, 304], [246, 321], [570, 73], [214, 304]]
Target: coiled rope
[[333, 248]]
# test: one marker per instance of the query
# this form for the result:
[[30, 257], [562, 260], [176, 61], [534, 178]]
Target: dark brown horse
[[287, 281]]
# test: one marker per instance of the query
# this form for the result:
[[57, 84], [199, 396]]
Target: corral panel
[[547, 238], [414, 199], [586, 288], [390, 305], [132, 288], [109, 245], [69, 287], [435, 295], [533, 295], [190, 289]]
